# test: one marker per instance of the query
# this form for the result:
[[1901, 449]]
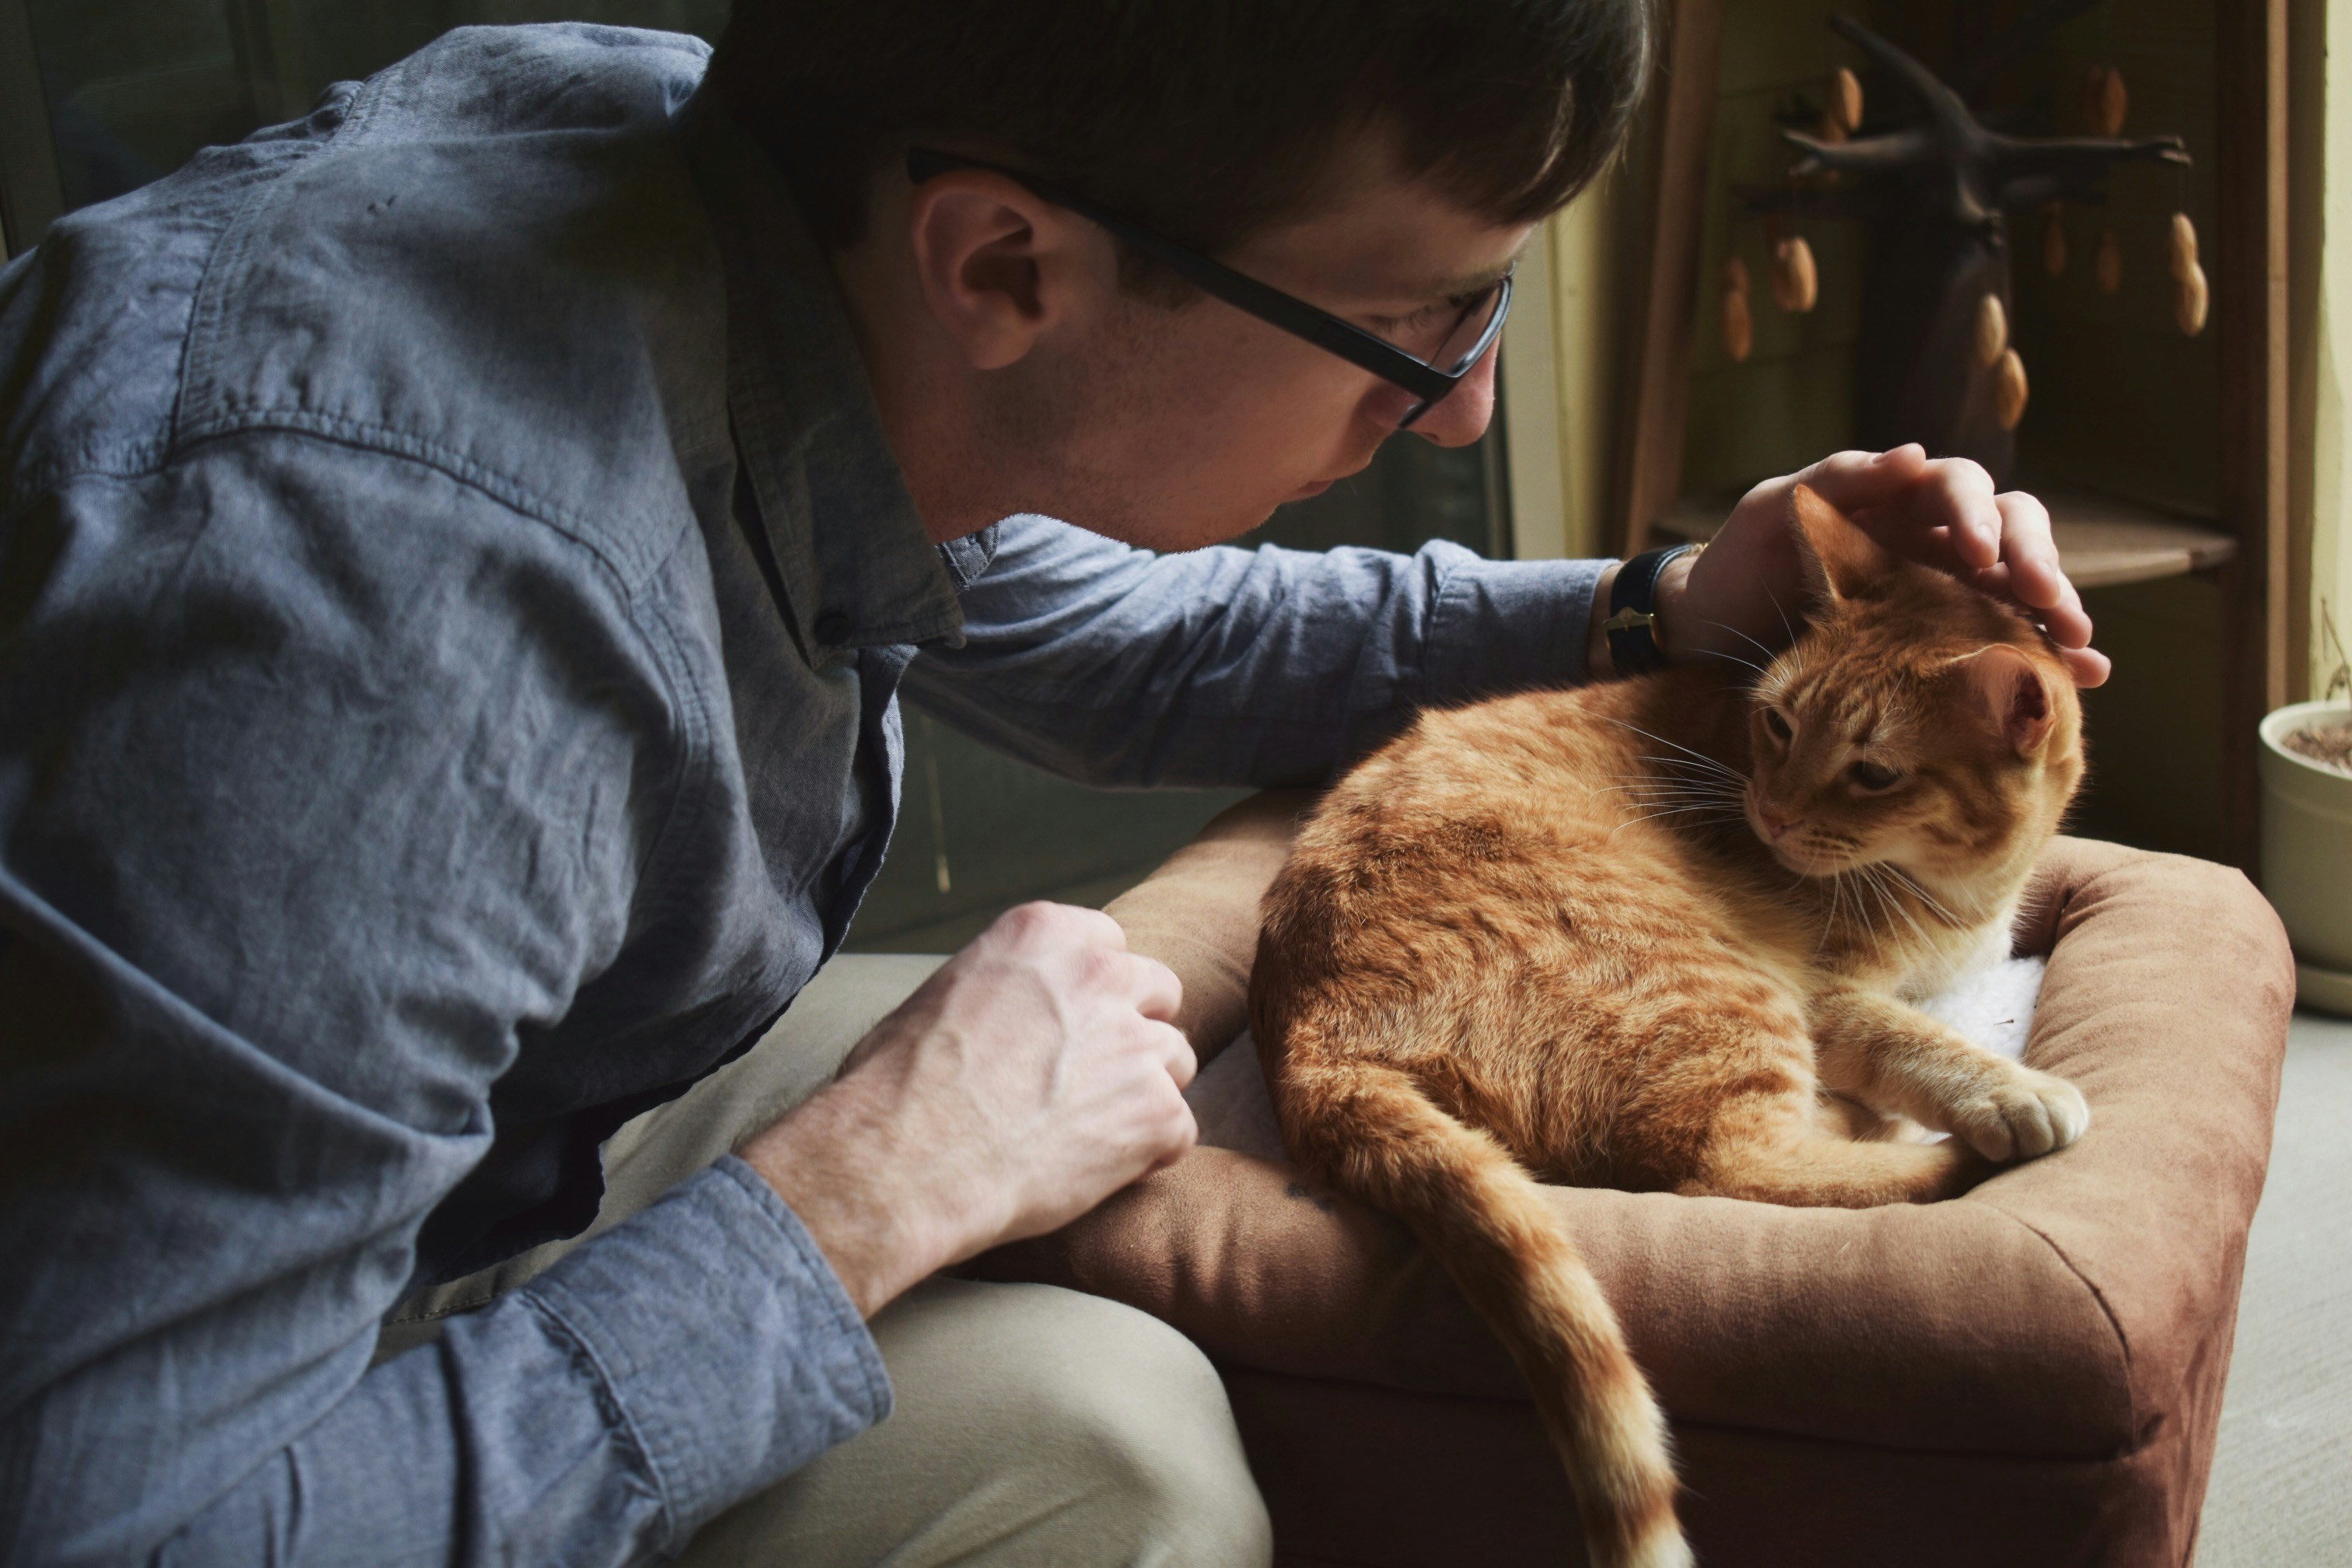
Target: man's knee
[[1031, 1426], [1135, 1424]]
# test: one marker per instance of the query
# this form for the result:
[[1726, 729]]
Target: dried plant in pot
[[2306, 770]]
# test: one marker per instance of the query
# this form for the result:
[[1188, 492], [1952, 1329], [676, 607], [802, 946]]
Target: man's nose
[[1461, 416]]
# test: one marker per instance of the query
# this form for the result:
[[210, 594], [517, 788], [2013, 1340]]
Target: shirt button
[[833, 628]]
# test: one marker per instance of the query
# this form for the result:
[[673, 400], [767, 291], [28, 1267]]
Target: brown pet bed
[[2029, 1374]]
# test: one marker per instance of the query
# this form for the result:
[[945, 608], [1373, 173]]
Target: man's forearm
[[838, 1163], [1232, 667]]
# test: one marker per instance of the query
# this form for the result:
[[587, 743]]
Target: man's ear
[[2012, 695], [1841, 561], [993, 260]]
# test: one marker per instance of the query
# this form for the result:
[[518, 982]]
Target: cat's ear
[[2014, 696], [1840, 560]]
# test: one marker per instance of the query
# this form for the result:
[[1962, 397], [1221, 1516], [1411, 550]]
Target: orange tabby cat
[[1666, 934]]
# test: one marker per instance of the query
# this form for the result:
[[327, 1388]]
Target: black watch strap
[[1635, 646]]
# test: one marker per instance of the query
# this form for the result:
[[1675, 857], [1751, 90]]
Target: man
[[460, 556]]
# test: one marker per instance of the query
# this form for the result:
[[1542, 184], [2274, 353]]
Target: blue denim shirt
[[453, 599]]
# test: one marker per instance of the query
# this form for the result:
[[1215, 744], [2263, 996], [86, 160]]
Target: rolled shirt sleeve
[[596, 1415], [1268, 668]]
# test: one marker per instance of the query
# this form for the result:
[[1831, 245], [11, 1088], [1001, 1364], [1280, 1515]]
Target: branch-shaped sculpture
[[2034, 169], [1975, 172], [1933, 361]]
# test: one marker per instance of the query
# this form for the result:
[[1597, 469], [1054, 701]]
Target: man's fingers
[[2088, 666], [1946, 513], [1176, 1051], [2030, 553], [1856, 481], [2030, 574], [1947, 516], [1047, 924], [1184, 1135], [1158, 991]]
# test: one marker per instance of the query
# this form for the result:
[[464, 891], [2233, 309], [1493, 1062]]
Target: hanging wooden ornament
[[1796, 282], [1739, 323], [1845, 101], [2181, 245], [2190, 295], [1991, 329], [2009, 390], [2104, 100], [2190, 299], [2054, 240], [2108, 265]]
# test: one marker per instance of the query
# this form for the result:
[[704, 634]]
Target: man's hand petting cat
[[1034, 1075], [1750, 583]]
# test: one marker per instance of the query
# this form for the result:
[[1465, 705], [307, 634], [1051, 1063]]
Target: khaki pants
[[1034, 1426]]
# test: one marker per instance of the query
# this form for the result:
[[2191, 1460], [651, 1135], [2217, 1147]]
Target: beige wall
[[1560, 353], [2323, 132]]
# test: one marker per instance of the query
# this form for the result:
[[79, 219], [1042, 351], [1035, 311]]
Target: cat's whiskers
[[1890, 902], [1862, 907], [1674, 811], [1682, 798], [1889, 869], [1681, 795], [1664, 802], [1743, 637], [1672, 792], [1933, 903], [1701, 757], [1712, 813], [1671, 781], [1744, 663], [1645, 819], [1829, 923]]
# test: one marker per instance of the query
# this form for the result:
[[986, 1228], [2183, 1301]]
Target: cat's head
[[1915, 720]]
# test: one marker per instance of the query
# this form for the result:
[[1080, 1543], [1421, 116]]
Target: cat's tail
[[1373, 1132]]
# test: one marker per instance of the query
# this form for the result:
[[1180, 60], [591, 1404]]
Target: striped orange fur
[[1664, 934]]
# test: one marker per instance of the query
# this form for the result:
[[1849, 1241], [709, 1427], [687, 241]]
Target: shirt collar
[[857, 568]]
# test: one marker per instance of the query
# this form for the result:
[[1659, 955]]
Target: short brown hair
[[1203, 119]]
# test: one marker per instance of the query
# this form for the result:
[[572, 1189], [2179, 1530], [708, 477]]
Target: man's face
[[1176, 427]]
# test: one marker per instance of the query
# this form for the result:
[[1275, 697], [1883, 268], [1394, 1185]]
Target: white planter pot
[[2307, 856]]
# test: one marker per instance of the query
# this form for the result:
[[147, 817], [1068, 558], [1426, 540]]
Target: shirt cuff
[[730, 1347], [1506, 626]]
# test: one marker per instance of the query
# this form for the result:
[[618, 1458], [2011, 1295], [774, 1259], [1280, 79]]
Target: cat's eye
[[1872, 776], [1778, 725]]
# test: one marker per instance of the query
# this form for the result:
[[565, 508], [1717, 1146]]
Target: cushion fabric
[[2040, 1361]]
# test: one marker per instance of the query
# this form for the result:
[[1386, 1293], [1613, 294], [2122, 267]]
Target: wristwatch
[[1635, 646]]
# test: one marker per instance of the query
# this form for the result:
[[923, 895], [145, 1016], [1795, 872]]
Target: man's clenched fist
[[1032, 1076]]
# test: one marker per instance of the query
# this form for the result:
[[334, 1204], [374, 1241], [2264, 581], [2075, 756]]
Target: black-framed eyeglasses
[[1467, 342]]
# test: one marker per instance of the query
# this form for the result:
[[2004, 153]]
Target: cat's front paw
[[2021, 1115]]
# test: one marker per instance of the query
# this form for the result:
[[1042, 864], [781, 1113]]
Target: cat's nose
[[1775, 823]]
